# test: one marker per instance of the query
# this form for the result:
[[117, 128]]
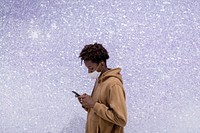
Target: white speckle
[[34, 34]]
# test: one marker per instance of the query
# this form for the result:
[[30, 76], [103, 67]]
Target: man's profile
[[106, 106]]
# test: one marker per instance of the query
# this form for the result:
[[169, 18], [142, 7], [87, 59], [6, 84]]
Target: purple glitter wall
[[155, 42]]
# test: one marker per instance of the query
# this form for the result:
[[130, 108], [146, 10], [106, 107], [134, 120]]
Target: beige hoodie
[[109, 114]]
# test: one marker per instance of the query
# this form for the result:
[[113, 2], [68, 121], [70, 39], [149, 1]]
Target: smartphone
[[76, 94]]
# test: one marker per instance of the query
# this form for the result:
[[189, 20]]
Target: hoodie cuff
[[96, 106]]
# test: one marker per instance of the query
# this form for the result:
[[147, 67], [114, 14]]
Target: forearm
[[117, 117]]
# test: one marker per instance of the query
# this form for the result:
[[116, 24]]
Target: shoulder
[[113, 81]]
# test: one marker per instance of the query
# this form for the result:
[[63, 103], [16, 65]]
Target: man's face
[[91, 66]]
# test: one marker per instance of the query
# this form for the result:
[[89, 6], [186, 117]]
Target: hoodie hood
[[111, 73]]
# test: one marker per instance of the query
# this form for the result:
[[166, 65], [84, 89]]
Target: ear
[[100, 67], [102, 64]]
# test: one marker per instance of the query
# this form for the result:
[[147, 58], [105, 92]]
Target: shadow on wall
[[76, 125]]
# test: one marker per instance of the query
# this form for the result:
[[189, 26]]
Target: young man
[[106, 106]]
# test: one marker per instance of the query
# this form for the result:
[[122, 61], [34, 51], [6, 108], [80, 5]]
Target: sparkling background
[[155, 42]]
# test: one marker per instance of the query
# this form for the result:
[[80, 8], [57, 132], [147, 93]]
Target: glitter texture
[[155, 42]]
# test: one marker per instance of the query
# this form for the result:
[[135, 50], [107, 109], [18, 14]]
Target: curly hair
[[94, 52]]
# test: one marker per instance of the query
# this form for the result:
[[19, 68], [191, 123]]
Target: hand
[[80, 101], [86, 101]]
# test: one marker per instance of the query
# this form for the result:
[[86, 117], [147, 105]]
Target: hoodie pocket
[[106, 126]]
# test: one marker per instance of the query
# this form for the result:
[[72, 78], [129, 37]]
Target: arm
[[116, 112]]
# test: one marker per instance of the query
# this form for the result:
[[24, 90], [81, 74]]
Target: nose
[[90, 71]]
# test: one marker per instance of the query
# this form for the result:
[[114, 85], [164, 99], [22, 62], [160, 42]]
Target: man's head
[[94, 57]]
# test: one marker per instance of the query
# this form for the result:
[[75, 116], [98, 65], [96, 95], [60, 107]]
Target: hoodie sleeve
[[116, 112]]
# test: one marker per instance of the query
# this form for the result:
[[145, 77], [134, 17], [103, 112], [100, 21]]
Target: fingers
[[82, 96], [80, 100], [84, 100]]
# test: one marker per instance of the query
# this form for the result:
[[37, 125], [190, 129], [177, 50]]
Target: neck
[[104, 70]]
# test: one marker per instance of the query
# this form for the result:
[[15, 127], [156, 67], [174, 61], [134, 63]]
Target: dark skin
[[86, 100]]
